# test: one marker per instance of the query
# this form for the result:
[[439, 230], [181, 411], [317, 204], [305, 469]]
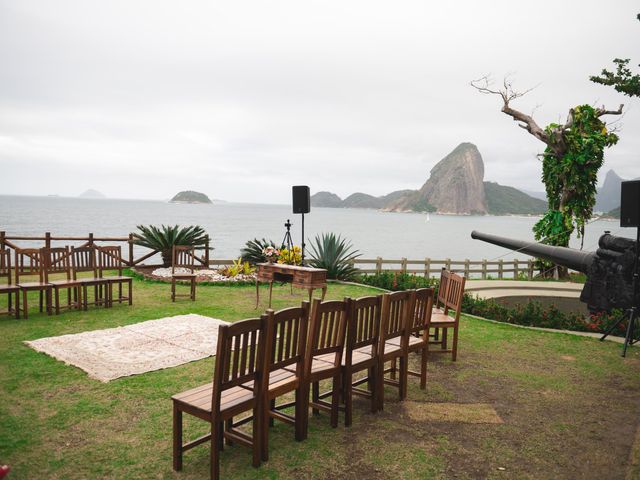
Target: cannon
[[609, 270]]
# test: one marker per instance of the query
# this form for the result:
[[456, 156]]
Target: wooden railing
[[427, 267], [7, 241]]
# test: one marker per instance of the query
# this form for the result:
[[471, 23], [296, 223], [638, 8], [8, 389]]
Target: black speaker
[[301, 199], [630, 204]]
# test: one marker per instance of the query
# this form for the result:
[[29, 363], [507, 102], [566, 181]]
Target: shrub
[[291, 257], [396, 281], [238, 267], [164, 238], [253, 250], [335, 255]]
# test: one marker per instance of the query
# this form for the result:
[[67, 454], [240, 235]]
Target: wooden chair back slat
[[455, 292], [364, 324], [422, 310], [397, 312], [5, 265], [287, 337], [441, 299], [328, 325], [238, 355], [83, 259], [109, 258], [29, 262], [183, 257], [57, 260]]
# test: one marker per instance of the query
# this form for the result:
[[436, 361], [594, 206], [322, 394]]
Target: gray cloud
[[243, 99]]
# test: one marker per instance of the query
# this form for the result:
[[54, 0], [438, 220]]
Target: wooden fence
[[128, 257], [427, 267]]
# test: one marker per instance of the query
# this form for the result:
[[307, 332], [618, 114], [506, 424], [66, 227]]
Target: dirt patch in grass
[[452, 412]]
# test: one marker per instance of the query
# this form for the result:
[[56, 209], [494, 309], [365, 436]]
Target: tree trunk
[[167, 258]]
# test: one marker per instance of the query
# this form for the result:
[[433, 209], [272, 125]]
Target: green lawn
[[567, 407]]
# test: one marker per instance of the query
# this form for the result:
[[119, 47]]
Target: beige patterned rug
[[133, 349]]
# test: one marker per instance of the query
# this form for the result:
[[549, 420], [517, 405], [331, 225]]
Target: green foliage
[[237, 268], [623, 80], [334, 254], [571, 179], [164, 238], [533, 314], [252, 251], [396, 281]]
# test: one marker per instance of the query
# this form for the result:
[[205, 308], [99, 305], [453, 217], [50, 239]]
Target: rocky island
[[189, 196], [455, 186]]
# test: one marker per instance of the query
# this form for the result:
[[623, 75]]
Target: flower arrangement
[[271, 253], [291, 257]]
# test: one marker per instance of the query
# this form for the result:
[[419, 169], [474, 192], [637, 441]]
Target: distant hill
[[538, 195], [92, 194], [502, 200], [455, 186], [189, 196], [608, 197], [615, 213]]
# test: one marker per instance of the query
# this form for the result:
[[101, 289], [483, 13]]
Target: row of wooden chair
[[293, 350], [34, 266]]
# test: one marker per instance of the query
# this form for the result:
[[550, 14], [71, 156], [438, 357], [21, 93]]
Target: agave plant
[[334, 254], [252, 251], [164, 238]]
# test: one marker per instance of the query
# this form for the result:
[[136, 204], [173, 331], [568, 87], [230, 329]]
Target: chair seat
[[65, 283], [412, 341], [438, 319], [437, 310], [200, 397], [9, 288], [391, 350], [184, 275], [30, 285], [358, 356], [277, 378], [117, 278], [91, 281], [321, 364]]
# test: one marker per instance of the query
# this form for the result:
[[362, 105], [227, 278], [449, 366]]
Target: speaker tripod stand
[[632, 313]]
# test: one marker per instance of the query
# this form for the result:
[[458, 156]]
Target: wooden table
[[299, 277]]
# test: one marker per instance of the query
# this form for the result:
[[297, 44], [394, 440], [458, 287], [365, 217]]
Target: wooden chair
[[236, 386], [327, 331], [442, 320], [183, 257], [396, 313], [286, 341], [438, 304], [8, 288], [418, 338], [110, 258], [57, 261], [30, 262], [361, 352], [83, 260]]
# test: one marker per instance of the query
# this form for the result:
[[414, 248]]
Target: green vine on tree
[[571, 179]]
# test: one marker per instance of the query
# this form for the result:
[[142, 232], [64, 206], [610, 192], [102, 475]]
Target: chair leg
[[373, 388], [264, 429], [347, 379], [177, 438], [57, 300], [335, 400], [423, 365], [393, 369], [404, 376], [215, 453], [301, 412], [380, 385], [173, 290], [257, 439], [315, 392], [443, 344], [272, 406], [130, 282], [229, 427], [454, 346], [25, 305]]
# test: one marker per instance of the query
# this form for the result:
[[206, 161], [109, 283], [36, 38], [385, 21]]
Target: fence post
[[2, 235], [447, 264], [466, 268], [427, 268], [403, 265], [500, 268], [530, 268], [47, 239], [378, 265], [516, 264], [484, 269], [206, 252], [130, 241], [91, 239]]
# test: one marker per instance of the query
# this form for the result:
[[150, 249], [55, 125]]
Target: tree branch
[[603, 111]]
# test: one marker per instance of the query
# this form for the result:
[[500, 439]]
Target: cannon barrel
[[567, 257]]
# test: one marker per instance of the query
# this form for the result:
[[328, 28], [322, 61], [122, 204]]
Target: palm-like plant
[[335, 255], [252, 251], [164, 238]]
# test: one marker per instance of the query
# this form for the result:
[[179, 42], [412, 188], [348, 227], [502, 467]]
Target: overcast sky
[[242, 99]]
